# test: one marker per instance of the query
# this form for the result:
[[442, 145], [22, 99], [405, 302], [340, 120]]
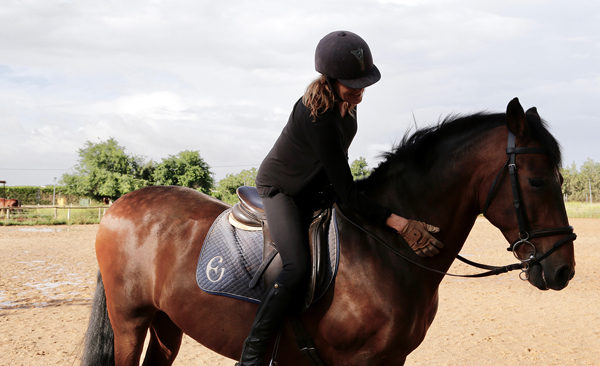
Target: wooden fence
[[8, 213]]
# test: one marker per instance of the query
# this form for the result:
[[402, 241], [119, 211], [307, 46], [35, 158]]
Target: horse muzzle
[[551, 277], [543, 270]]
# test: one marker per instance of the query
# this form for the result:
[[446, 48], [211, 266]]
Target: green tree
[[590, 176], [225, 190], [569, 175], [359, 168], [186, 169], [577, 183], [105, 170]]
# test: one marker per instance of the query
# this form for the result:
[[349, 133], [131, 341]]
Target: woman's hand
[[417, 235]]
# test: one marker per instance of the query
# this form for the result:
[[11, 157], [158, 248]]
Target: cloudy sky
[[221, 76]]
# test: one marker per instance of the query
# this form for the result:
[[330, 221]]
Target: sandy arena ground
[[47, 277]]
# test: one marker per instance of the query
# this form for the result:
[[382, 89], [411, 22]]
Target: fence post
[[7, 214], [99, 213], [55, 213], [69, 214]]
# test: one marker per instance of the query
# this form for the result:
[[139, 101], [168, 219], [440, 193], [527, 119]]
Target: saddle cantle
[[240, 260], [251, 204], [249, 213]]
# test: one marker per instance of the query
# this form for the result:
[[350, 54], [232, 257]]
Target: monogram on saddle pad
[[238, 252]]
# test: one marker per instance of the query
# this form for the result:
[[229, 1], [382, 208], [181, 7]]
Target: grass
[[583, 210], [46, 216]]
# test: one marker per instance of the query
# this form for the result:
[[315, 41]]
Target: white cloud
[[162, 77], [153, 104]]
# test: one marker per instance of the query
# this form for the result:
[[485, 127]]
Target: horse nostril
[[564, 275], [571, 275]]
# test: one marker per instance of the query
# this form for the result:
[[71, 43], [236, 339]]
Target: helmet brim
[[362, 82]]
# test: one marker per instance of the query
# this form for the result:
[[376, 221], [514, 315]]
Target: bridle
[[525, 231]]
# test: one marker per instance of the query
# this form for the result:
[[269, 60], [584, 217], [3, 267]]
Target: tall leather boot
[[269, 318]]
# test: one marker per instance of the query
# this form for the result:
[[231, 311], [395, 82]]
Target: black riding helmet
[[346, 57]]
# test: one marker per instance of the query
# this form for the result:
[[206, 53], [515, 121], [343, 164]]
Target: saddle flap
[[319, 250], [321, 260]]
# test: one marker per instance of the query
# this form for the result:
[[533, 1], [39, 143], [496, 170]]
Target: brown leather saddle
[[249, 214]]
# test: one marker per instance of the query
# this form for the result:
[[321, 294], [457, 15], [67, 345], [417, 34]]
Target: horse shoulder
[[377, 305]]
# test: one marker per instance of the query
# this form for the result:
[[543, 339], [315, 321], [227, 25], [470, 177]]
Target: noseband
[[525, 231]]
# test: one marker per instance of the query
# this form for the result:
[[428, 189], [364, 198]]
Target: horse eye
[[536, 183]]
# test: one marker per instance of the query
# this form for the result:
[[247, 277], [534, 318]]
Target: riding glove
[[417, 235]]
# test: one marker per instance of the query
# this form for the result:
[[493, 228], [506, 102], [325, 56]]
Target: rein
[[492, 270], [524, 233]]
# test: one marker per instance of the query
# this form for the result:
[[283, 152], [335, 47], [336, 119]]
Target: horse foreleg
[[165, 340]]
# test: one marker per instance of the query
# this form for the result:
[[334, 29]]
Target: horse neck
[[447, 195]]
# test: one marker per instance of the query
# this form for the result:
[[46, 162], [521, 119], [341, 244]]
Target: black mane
[[417, 151]]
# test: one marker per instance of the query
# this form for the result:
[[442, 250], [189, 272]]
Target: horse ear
[[533, 111], [516, 121]]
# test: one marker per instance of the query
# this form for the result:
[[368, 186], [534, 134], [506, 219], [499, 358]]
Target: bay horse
[[381, 304], [9, 202]]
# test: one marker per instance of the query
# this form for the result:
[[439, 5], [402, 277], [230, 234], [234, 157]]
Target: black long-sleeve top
[[308, 155]]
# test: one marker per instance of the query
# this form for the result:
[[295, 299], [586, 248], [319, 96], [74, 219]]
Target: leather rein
[[525, 232]]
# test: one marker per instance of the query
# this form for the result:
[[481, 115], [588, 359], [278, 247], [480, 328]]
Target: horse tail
[[99, 347]]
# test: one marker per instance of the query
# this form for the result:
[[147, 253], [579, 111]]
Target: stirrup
[[273, 361]]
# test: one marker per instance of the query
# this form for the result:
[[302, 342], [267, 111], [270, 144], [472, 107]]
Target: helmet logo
[[358, 53]]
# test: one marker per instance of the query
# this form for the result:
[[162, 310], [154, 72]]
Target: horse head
[[449, 174], [525, 200]]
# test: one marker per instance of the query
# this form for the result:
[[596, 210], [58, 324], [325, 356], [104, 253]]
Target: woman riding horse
[[310, 154]]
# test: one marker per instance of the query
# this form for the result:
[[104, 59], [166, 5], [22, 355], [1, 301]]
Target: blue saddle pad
[[230, 257]]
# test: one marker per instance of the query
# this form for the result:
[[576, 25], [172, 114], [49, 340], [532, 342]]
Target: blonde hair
[[319, 98]]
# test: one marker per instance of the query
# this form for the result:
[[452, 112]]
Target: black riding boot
[[269, 317]]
